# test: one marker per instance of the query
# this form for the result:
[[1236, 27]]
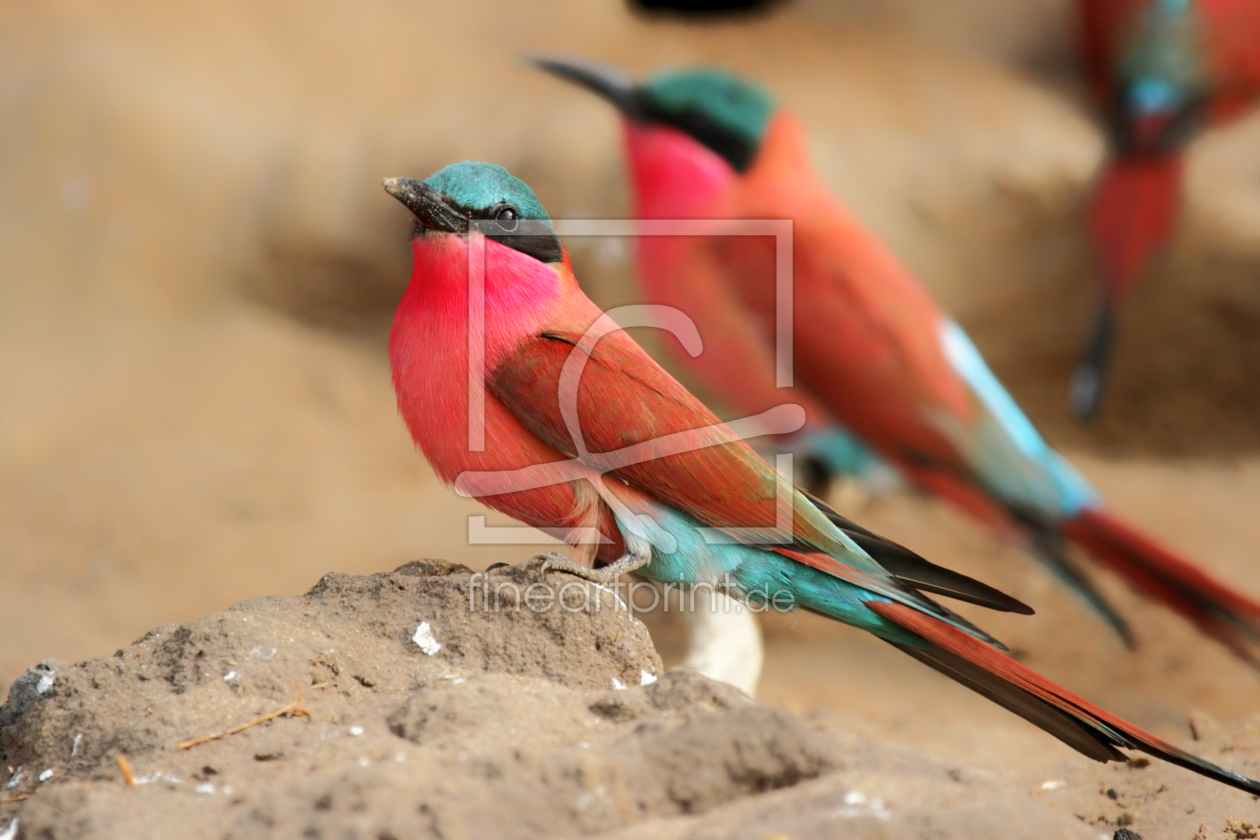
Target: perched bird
[[574, 427], [1161, 71], [871, 347]]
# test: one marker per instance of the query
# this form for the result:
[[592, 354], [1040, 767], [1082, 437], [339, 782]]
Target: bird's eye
[[506, 217]]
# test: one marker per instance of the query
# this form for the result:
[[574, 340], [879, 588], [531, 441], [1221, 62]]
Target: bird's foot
[[554, 561], [546, 561]]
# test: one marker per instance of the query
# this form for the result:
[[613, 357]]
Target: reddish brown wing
[[624, 399]]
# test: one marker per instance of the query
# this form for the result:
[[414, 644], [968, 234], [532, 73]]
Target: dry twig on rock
[[124, 767], [294, 709]]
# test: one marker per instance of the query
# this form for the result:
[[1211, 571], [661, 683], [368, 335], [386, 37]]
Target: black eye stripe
[[738, 150], [542, 248], [529, 236]]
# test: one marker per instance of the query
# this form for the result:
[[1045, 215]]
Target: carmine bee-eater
[[1161, 71], [519, 390], [871, 347]]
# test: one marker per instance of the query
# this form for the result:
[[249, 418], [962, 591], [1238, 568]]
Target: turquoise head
[[483, 197], [723, 112]]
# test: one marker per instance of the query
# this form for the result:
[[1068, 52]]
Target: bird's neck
[[674, 176], [462, 286]]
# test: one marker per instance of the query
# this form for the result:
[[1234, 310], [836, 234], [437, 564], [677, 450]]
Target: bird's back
[[872, 343]]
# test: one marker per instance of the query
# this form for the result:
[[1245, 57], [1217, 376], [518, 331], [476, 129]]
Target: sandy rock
[[509, 728], [28, 690], [237, 663]]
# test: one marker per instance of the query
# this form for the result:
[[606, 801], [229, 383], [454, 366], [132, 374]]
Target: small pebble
[[423, 637]]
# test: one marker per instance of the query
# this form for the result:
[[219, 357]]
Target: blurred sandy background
[[199, 268]]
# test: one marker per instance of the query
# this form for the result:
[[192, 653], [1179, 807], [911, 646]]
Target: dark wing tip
[[911, 569], [1085, 589]]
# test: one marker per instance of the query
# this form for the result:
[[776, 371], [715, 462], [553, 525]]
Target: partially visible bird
[[871, 348], [703, 9], [1161, 71], [517, 389]]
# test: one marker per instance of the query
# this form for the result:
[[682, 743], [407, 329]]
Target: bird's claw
[[554, 561], [547, 561]]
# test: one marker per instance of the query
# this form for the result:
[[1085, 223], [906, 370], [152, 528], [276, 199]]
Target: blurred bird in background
[[738, 364], [1161, 70], [872, 349], [703, 9], [569, 398]]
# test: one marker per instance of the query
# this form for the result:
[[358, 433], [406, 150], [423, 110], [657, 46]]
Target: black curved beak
[[427, 204], [612, 83]]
